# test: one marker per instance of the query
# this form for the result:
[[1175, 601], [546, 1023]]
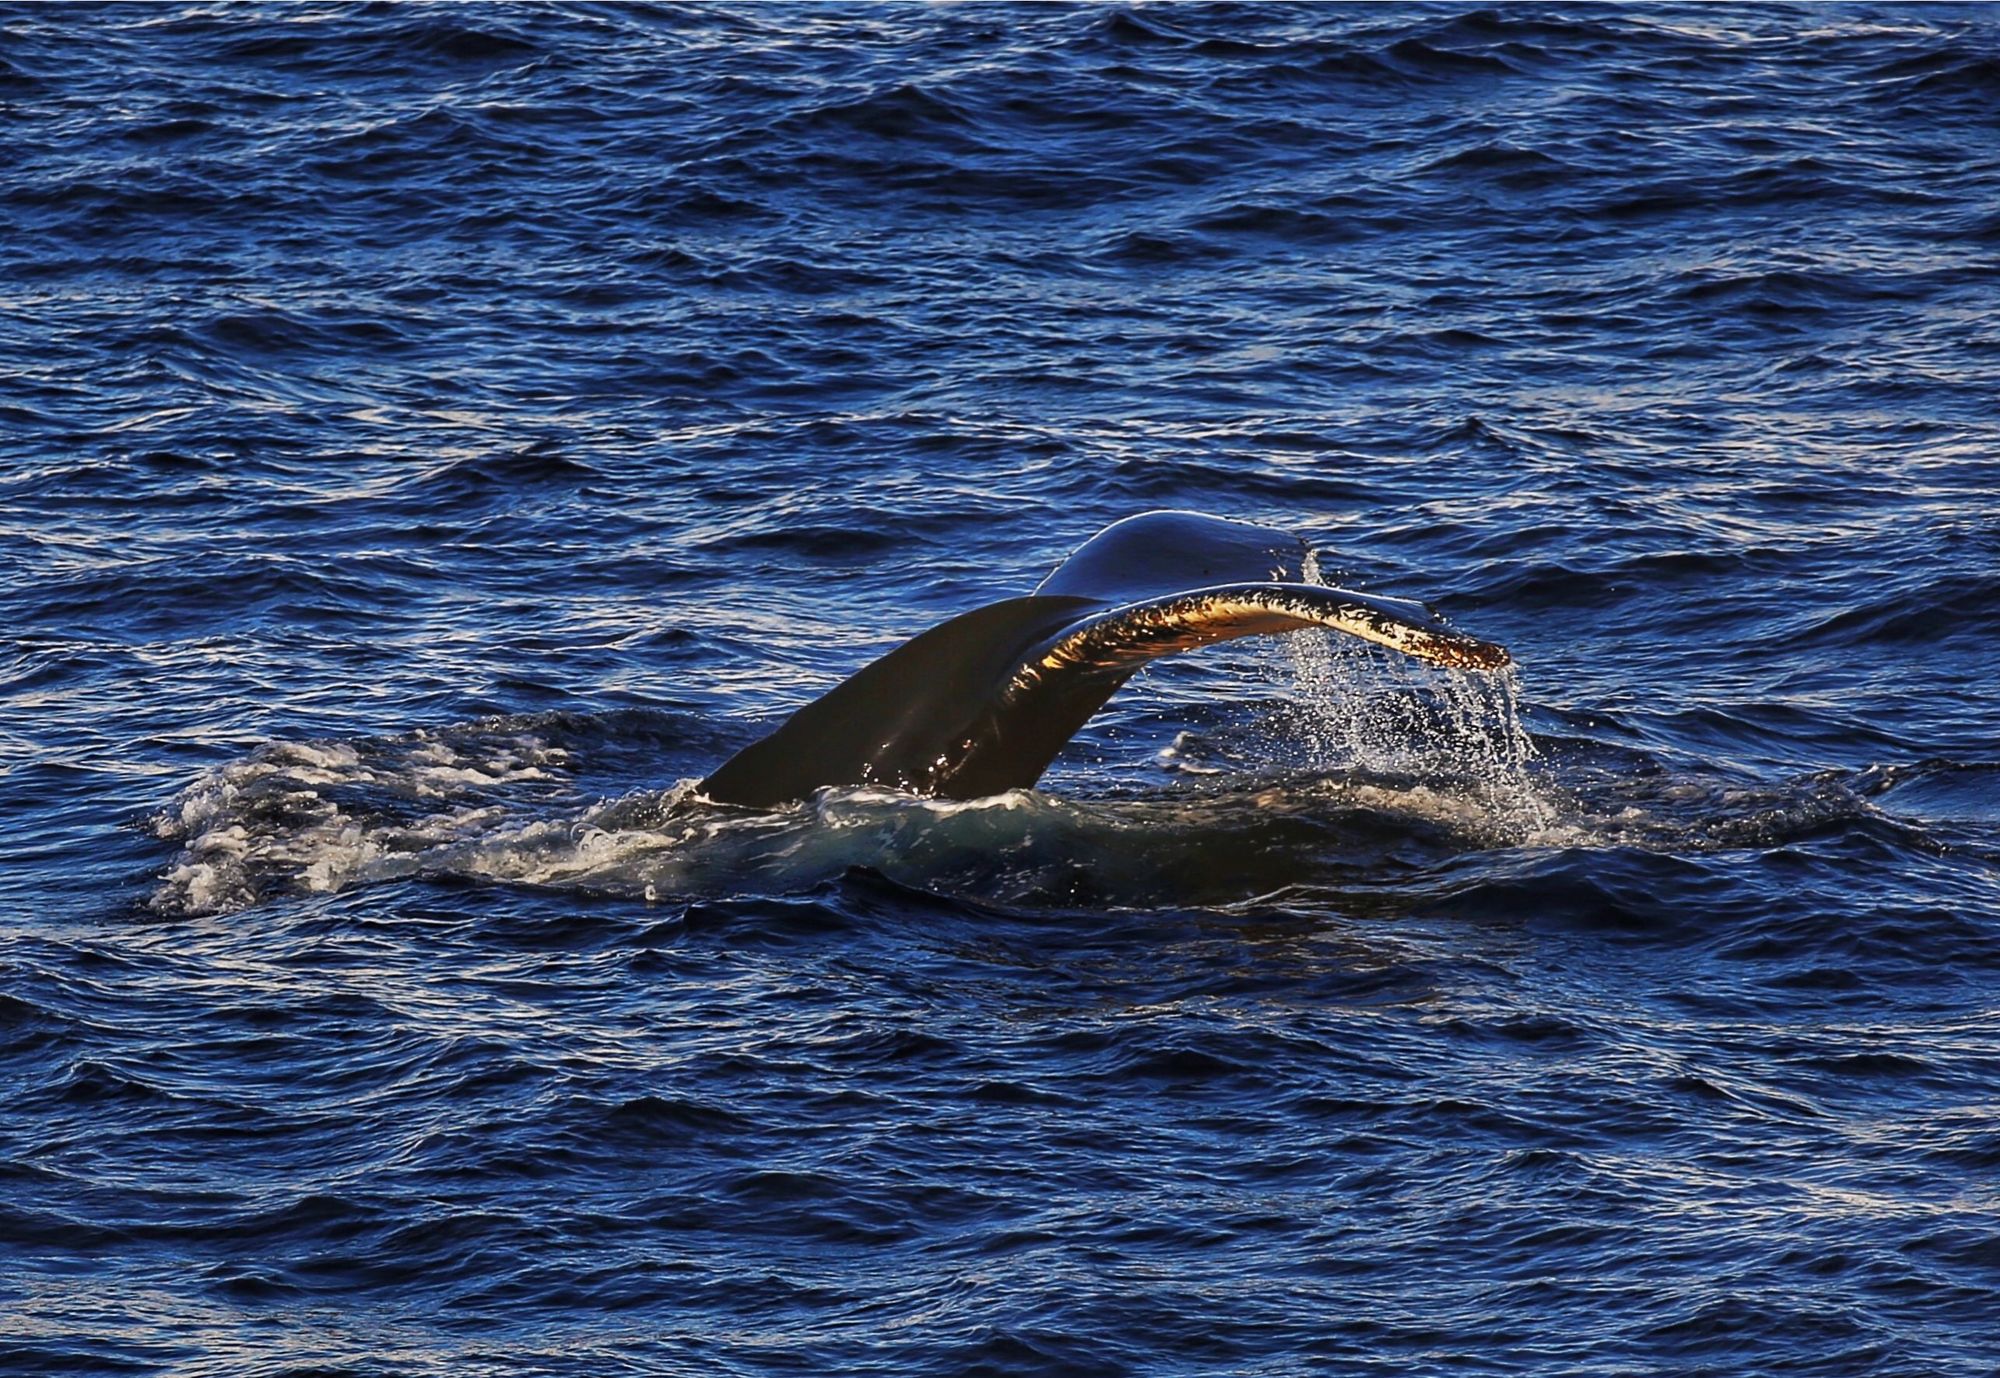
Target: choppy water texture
[[433, 436]]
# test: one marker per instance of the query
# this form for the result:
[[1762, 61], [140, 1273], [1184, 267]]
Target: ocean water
[[432, 437]]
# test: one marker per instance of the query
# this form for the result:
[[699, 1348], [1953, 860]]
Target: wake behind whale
[[1394, 746], [1364, 762], [1349, 775]]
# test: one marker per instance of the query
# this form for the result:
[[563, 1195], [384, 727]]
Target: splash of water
[[1355, 710]]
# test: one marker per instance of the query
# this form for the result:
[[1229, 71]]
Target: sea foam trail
[[318, 816], [1375, 755]]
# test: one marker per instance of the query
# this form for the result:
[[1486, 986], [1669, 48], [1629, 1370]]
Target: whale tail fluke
[[983, 702]]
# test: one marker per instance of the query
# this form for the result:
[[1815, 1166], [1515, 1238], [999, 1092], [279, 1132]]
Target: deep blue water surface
[[429, 437]]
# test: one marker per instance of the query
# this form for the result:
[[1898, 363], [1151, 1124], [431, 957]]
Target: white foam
[[1361, 733], [268, 823]]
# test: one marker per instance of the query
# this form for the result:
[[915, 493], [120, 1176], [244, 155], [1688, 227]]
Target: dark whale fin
[[982, 703], [892, 721]]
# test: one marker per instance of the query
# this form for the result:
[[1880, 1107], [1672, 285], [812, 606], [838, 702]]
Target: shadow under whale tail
[[983, 702]]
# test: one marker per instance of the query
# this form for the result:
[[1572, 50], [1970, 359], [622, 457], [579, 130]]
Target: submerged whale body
[[983, 702]]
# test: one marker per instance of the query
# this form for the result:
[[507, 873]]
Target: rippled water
[[431, 437]]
